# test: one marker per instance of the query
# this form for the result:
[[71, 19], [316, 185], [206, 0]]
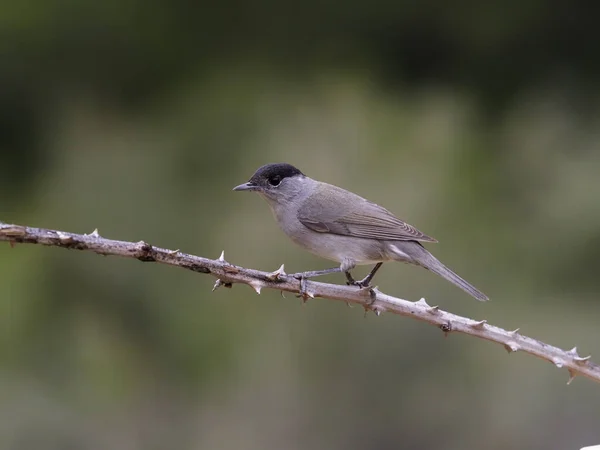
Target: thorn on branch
[[256, 286], [377, 310], [220, 283], [582, 360], [511, 347], [306, 295], [275, 276], [478, 325], [433, 310], [227, 266], [94, 233], [422, 303], [558, 362], [572, 375]]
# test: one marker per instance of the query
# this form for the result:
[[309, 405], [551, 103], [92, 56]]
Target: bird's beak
[[246, 187]]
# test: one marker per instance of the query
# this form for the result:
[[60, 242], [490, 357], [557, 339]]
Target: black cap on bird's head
[[269, 176]]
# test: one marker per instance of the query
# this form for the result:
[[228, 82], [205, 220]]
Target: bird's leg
[[303, 276], [346, 266], [350, 279], [315, 273], [366, 281]]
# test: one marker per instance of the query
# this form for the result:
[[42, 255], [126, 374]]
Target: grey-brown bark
[[228, 274]]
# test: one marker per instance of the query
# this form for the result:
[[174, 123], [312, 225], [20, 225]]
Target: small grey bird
[[341, 226]]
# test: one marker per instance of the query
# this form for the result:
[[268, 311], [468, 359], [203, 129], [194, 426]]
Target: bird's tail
[[440, 269], [422, 257]]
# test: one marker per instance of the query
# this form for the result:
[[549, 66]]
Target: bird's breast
[[335, 247]]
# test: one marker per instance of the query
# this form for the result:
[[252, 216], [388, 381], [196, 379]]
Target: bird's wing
[[333, 210]]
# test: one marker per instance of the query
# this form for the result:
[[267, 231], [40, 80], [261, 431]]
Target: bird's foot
[[365, 283], [303, 292]]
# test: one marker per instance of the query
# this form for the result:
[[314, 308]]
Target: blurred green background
[[477, 122]]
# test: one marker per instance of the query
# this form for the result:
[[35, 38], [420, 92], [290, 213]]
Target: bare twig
[[373, 300]]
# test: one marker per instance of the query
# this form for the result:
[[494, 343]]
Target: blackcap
[[341, 226]]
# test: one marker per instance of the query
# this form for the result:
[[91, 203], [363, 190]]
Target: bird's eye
[[275, 180]]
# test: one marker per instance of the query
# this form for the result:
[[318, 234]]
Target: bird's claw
[[365, 283], [362, 284], [304, 294], [302, 291], [372, 294]]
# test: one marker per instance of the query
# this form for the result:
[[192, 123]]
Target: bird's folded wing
[[357, 217]]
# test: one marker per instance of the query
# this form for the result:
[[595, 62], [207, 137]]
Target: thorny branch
[[373, 300]]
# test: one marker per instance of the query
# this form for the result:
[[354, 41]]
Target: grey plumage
[[341, 226], [323, 212]]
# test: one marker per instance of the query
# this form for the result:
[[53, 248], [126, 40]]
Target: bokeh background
[[477, 122]]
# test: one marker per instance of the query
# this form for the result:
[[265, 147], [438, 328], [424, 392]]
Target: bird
[[341, 226]]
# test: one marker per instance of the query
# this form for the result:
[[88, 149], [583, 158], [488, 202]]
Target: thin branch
[[374, 300]]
